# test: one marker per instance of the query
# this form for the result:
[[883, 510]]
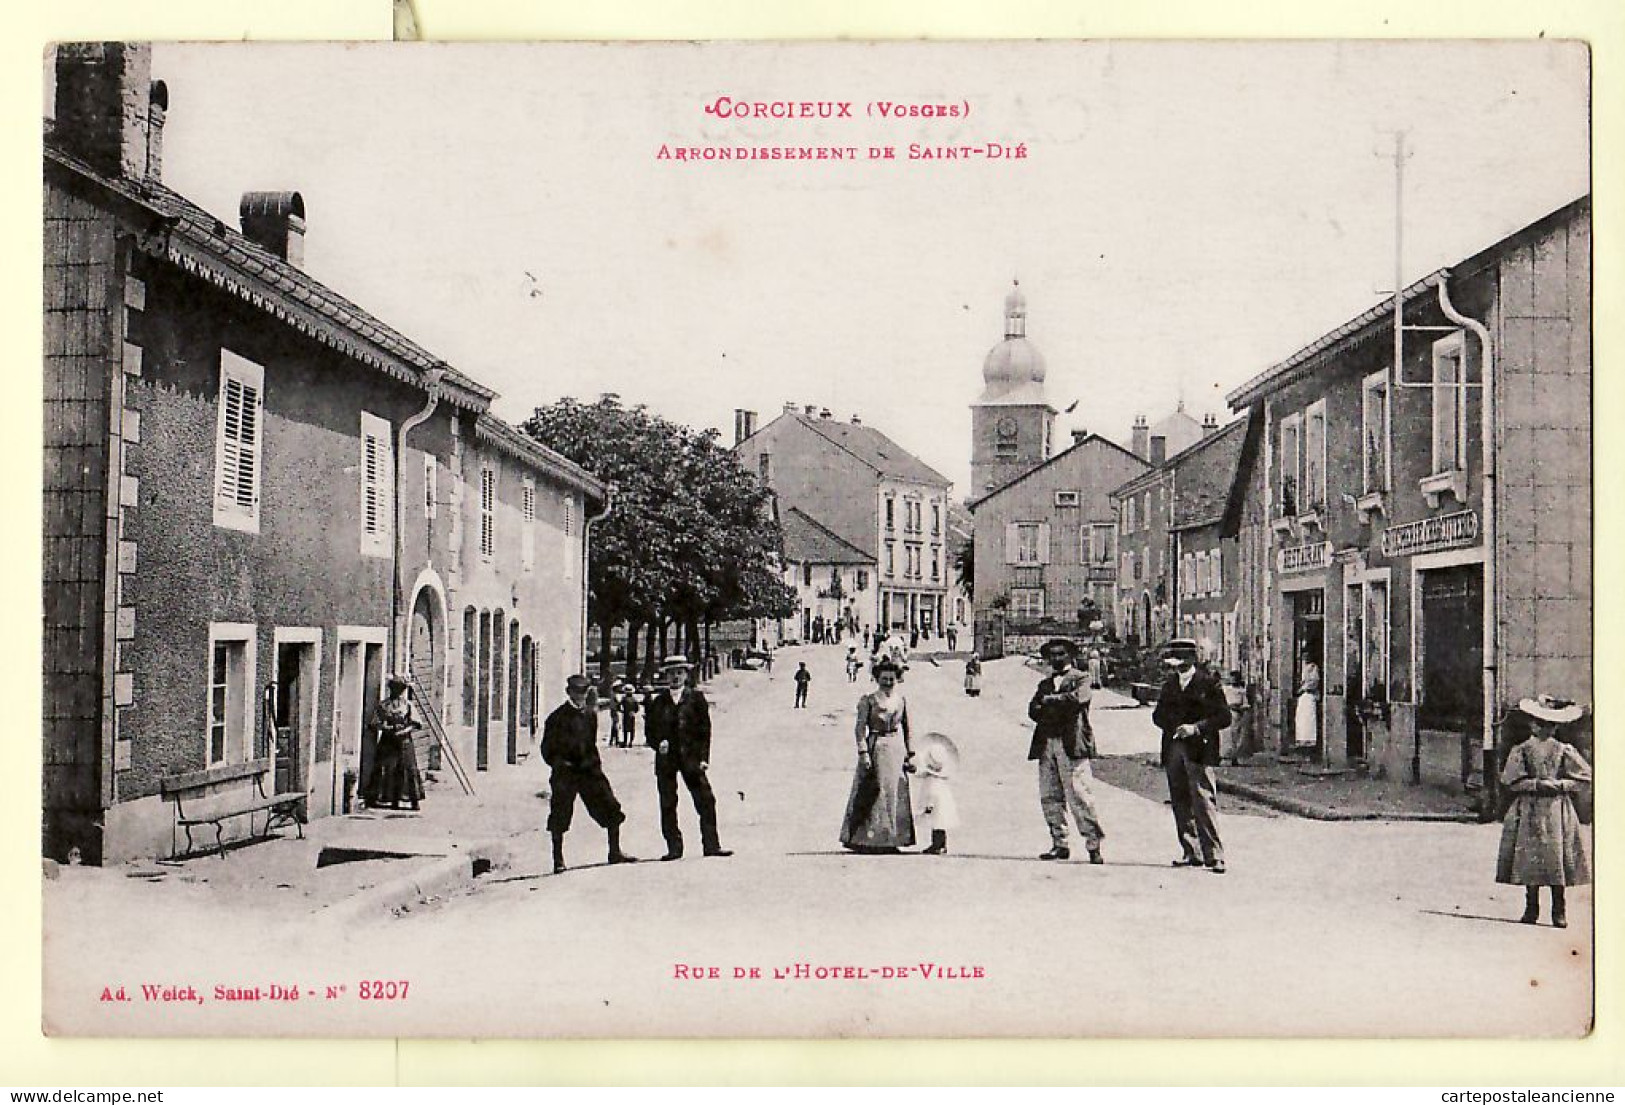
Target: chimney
[[789, 408], [1078, 436], [856, 421], [276, 221], [103, 96], [810, 410], [1210, 424], [157, 109], [1159, 449], [744, 424], [824, 414], [1140, 445]]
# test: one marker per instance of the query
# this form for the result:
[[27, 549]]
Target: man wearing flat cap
[[678, 728], [1192, 712], [1063, 744], [570, 748]]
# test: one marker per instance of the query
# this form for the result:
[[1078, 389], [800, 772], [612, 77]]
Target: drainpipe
[[1492, 694], [586, 546], [397, 620]]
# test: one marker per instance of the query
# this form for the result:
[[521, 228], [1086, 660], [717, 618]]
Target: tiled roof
[[523, 447], [207, 247], [1198, 501], [806, 541], [875, 449]]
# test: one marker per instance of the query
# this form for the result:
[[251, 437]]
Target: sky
[[1185, 216]]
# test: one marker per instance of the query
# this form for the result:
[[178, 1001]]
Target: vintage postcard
[[1026, 539]]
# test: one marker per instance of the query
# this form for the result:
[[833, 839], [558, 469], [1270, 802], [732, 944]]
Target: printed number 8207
[[391, 990]]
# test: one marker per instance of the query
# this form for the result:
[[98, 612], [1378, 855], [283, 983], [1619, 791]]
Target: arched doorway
[[1145, 617], [426, 657]]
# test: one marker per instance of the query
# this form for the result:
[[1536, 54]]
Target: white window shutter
[[1012, 543], [1043, 542]]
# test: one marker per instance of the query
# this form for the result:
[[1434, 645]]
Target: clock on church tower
[[1012, 422]]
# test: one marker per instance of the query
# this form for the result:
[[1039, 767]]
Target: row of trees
[[691, 540]]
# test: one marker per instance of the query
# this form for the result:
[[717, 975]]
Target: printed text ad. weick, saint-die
[[727, 107]]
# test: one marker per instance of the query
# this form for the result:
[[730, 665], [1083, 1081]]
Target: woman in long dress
[[1306, 724], [879, 817], [397, 771], [1542, 843]]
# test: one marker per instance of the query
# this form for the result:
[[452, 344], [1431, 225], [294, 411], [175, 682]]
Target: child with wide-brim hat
[[1542, 841]]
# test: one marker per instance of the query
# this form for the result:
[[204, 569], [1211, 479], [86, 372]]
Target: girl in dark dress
[[397, 773]]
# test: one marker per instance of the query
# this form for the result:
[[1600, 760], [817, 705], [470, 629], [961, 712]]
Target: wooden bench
[[194, 806]]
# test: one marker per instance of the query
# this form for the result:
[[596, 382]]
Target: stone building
[[833, 580], [258, 500], [871, 493], [1430, 511]]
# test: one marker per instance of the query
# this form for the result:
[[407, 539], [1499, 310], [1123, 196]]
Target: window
[[1449, 410], [569, 515], [806, 575], [1291, 463], [1218, 571], [1067, 498], [1376, 453], [230, 716], [1026, 543], [1100, 543], [1005, 449], [936, 520], [862, 583], [240, 403], [891, 514], [891, 558], [1125, 569], [763, 465], [936, 563], [429, 479], [488, 512], [914, 561], [1128, 515], [1026, 603], [1145, 519], [1314, 457], [377, 487], [527, 535]]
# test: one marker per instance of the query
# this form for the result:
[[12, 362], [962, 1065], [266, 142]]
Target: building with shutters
[[1046, 543], [835, 582], [854, 482], [1429, 507], [259, 499]]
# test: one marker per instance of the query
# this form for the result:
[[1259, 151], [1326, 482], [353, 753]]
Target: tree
[[965, 566], [691, 539]]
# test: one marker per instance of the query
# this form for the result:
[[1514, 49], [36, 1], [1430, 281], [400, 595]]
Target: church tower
[[1012, 423]]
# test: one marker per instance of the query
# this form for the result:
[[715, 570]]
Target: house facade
[[1429, 507], [1206, 558], [259, 500], [872, 494], [835, 583], [1047, 544]]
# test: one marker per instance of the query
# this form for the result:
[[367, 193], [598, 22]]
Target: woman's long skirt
[[879, 815], [1306, 723]]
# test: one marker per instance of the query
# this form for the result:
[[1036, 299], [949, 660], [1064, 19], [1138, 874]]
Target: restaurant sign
[[1431, 534], [1305, 558]]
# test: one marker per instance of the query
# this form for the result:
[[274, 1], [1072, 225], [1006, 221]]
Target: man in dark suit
[[678, 728], [570, 748], [1063, 744], [1191, 712]]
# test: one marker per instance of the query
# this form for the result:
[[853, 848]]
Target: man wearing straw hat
[[1063, 744], [678, 728], [570, 748]]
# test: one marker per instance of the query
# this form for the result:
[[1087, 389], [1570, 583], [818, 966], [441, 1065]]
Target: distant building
[[1012, 422], [1431, 605], [258, 500], [1046, 543], [1206, 558], [859, 485], [834, 581]]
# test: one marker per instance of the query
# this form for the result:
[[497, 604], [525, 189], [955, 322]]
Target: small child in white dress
[[938, 760]]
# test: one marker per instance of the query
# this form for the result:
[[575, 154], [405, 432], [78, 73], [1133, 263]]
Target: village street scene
[[991, 664]]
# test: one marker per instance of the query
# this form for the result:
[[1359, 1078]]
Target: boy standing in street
[[803, 678]]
